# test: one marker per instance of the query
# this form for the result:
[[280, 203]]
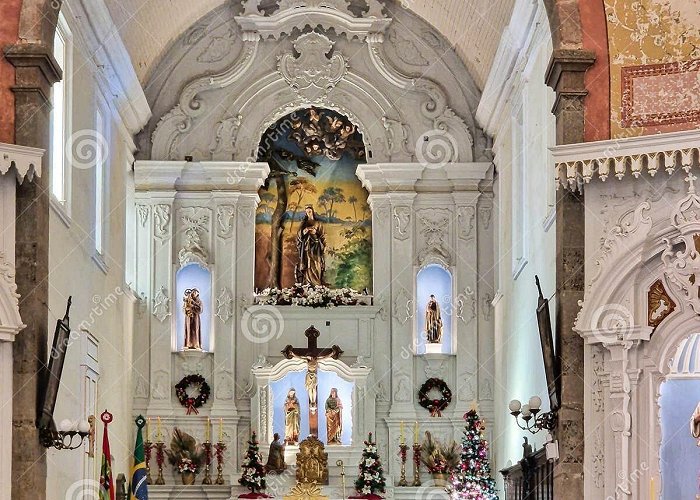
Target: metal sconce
[[70, 435], [530, 414]]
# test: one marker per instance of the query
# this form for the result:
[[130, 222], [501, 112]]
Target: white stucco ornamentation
[[224, 305], [314, 73], [161, 304], [195, 228]]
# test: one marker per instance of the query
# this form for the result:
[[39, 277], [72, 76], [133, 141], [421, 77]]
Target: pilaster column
[[162, 305], [224, 291], [465, 300], [35, 73], [566, 76]]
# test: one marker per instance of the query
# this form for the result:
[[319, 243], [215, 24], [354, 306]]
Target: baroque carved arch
[[238, 104]]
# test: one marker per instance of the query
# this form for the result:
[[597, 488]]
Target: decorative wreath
[[434, 406], [188, 401]]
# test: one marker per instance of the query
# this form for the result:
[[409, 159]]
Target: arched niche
[[436, 280], [679, 396], [313, 155], [193, 276], [273, 381]]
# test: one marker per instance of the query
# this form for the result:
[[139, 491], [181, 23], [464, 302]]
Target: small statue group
[[192, 305], [433, 322]]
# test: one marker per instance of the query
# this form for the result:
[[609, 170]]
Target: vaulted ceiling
[[473, 27]]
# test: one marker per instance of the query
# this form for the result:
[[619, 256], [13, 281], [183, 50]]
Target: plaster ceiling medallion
[[314, 73], [300, 14]]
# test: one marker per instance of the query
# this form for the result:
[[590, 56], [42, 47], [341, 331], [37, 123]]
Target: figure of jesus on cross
[[312, 354]]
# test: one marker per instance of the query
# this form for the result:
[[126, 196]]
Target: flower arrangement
[[186, 465], [439, 458], [185, 454], [310, 296]]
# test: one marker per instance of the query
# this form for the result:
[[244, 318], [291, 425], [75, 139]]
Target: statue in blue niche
[[192, 305], [433, 321]]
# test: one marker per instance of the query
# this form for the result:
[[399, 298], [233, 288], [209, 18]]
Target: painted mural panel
[[313, 224], [661, 94]]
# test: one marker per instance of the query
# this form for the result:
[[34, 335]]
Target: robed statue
[[334, 417], [275, 459], [433, 322], [311, 245], [292, 418], [192, 305], [695, 424]]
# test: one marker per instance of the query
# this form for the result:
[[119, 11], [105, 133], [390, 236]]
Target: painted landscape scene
[[313, 155]]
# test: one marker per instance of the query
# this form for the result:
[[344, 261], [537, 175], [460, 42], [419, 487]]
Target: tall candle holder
[[160, 460], [416, 464], [403, 454], [207, 462], [147, 447], [219, 447]]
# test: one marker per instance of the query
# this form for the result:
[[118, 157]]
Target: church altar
[[392, 244]]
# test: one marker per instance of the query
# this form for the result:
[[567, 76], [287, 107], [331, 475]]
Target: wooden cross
[[312, 354]]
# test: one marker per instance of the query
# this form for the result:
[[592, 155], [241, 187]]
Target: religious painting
[[313, 225], [435, 308]]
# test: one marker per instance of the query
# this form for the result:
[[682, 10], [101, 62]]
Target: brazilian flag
[[139, 486]]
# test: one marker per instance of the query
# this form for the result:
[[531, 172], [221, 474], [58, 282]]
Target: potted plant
[[185, 455], [439, 458]]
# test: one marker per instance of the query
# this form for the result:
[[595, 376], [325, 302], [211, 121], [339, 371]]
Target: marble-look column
[[566, 76], [35, 73]]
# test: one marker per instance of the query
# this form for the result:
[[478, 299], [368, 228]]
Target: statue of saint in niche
[[311, 244], [334, 417], [433, 321], [275, 459], [292, 418], [192, 305]]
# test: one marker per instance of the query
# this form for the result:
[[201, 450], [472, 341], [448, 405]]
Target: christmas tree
[[253, 476], [371, 480], [472, 477]]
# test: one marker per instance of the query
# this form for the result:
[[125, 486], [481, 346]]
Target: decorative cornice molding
[[392, 177], [576, 164], [527, 29], [311, 13], [26, 160], [114, 65], [193, 176]]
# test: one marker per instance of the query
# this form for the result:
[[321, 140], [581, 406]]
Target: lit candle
[[652, 491], [403, 439], [148, 426], [221, 430], [415, 433], [207, 430], [159, 431]]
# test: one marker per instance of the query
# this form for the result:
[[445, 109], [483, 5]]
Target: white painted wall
[[102, 304], [517, 101]]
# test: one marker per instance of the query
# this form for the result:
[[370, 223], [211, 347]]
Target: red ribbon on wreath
[[190, 406]]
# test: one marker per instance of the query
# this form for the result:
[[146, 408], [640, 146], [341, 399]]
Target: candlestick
[[147, 447], [220, 447], [402, 438], [160, 458], [403, 453], [416, 464], [207, 461], [221, 430]]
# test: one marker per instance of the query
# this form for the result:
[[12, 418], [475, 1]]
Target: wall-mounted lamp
[[69, 435], [530, 414]]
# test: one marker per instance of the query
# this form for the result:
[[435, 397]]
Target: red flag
[[106, 483]]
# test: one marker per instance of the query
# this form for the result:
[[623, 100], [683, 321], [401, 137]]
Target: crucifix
[[312, 354]]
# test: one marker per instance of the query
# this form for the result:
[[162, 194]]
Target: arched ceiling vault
[[473, 27]]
